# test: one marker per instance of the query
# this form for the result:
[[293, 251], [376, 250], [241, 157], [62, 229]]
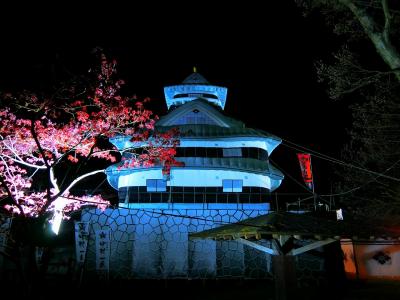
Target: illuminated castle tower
[[226, 178], [225, 162]]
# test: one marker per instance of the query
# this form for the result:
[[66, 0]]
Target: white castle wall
[[204, 178]]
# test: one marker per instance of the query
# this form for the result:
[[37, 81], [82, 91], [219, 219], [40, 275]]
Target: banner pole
[[313, 188]]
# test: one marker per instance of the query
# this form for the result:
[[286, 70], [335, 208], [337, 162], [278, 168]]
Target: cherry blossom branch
[[83, 200], [13, 151], [53, 181], [22, 162], [41, 151], [5, 186], [73, 148], [69, 133], [80, 178]]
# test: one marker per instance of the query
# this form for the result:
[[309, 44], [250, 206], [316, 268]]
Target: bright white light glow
[[56, 222], [59, 205]]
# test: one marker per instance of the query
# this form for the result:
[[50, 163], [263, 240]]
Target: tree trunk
[[381, 41]]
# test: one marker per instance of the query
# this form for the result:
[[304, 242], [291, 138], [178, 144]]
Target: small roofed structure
[[296, 225], [285, 231]]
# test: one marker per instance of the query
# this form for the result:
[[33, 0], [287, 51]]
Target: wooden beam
[[311, 246], [276, 246], [283, 239], [257, 246]]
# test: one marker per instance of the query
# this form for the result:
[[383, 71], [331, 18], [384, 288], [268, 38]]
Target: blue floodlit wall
[[151, 242]]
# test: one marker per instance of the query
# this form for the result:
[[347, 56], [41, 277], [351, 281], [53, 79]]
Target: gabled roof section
[[195, 78], [197, 112]]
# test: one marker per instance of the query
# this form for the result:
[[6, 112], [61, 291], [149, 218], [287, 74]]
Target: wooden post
[[355, 260], [285, 276]]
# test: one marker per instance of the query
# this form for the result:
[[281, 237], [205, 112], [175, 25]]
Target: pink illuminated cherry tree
[[38, 134]]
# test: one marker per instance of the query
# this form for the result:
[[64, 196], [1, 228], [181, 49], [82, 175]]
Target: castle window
[[232, 185], [196, 95], [156, 185], [232, 152]]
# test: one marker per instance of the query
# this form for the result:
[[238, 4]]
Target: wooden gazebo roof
[[298, 225]]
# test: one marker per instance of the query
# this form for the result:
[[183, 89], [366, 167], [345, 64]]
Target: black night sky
[[264, 55]]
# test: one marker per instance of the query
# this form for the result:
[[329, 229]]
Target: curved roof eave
[[273, 173], [205, 130], [172, 90]]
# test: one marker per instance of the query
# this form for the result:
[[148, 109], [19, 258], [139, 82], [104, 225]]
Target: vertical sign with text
[[102, 250], [5, 227], [81, 241]]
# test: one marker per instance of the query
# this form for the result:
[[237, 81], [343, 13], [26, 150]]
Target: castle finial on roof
[[194, 70]]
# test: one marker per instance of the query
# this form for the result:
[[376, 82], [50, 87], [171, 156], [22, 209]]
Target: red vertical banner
[[306, 171]]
